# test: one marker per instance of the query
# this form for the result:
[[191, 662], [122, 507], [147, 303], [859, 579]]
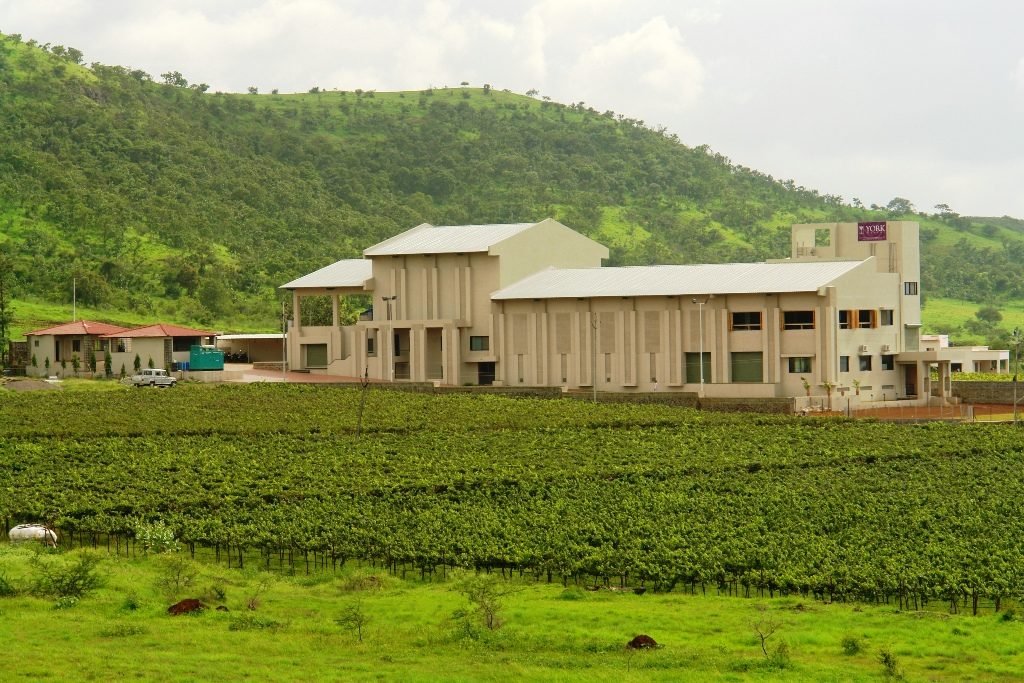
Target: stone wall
[[987, 392]]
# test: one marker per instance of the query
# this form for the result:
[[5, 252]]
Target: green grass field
[[546, 633], [940, 313]]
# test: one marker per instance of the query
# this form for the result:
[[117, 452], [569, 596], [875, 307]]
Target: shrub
[[485, 596], [131, 602], [852, 645], [156, 537], [65, 602], [1009, 615], [780, 657], [177, 574], [361, 580], [890, 663], [7, 589], [58, 578]]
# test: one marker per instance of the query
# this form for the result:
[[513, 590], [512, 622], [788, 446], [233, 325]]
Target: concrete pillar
[[335, 317]]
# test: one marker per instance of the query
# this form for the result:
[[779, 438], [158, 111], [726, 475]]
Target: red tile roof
[[81, 327], [160, 330]]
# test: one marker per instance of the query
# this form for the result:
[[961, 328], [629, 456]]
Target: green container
[[205, 358]]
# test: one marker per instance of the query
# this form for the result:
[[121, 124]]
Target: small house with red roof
[[158, 346], [63, 343]]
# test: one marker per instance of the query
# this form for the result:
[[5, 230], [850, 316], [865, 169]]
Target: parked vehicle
[[154, 377]]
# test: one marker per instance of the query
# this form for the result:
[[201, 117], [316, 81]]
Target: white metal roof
[[353, 272], [726, 278], [446, 239], [257, 335]]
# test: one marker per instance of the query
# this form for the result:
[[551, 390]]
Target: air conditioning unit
[[886, 348], [864, 349]]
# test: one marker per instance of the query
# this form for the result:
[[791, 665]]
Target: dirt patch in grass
[[22, 384]]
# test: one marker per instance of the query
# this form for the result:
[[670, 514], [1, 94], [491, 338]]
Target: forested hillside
[[161, 199]]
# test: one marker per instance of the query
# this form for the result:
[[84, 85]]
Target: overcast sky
[[922, 99]]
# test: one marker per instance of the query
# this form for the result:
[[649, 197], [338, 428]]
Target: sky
[[866, 99]]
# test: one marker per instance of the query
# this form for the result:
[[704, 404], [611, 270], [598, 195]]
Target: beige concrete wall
[[639, 343], [549, 244], [42, 347], [899, 253]]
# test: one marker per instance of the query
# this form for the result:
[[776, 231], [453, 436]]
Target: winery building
[[531, 305]]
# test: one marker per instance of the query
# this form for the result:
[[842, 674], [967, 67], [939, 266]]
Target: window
[[866, 318], [865, 363], [910, 288], [747, 366], [844, 363], [479, 343], [746, 321], [885, 317], [798, 320], [694, 365], [316, 355], [36, 343], [76, 346], [846, 320], [398, 345], [800, 364], [371, 346], [184, 344], [888, 362]]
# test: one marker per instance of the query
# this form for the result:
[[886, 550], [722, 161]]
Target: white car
[[154, 377]]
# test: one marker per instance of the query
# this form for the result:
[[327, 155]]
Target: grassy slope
[[944, 313], [549, 633], [733, 211]]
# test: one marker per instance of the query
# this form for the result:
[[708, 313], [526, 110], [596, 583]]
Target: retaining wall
[[987, 392]]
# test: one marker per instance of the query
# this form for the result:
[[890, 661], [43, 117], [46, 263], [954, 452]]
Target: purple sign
[[871, 232]]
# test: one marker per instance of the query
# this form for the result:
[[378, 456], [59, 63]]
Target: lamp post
[[284, 341], [700, 327], [1017, 337]]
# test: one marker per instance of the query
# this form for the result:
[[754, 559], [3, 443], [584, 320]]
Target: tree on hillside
[[898, 206], [174, 78], [989, 314]]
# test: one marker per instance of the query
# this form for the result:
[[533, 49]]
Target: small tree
[[765, 629], [46, 365], [108, 362], [486, 597], [150, 364], [63, 367], [137, 364], [856, 386], [35, 362], [828, 387], [123, 373], [354, 618], [92, 360], [76, 363], [806, 384]]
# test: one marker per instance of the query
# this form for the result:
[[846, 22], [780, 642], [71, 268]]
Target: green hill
[[163, 200]]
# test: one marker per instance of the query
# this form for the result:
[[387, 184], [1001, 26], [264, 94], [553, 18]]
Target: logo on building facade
[[871, 232]]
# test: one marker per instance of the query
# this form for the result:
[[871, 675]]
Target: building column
[[335, 317], [417, 354]]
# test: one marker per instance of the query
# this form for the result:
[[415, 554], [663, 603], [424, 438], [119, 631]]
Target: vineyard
[[557, 490]]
